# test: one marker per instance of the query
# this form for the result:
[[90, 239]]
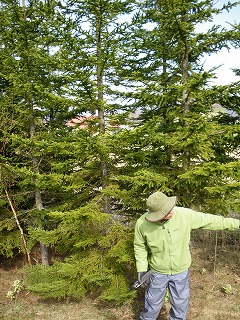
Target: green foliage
[[17, 288], [100, 258], [213, 186], [47, 281], [227, 289], [9, 241], [118, 291]]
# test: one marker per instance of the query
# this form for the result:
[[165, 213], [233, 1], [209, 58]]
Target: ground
[[215, 293]]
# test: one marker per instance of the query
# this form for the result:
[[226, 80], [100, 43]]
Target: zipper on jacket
[[169, 250]]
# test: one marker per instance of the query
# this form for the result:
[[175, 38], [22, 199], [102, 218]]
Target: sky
[[227, 59]]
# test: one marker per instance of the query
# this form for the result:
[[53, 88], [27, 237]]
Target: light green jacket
[[164, 247]]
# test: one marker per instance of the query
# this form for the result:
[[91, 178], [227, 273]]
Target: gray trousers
[[179, 295]]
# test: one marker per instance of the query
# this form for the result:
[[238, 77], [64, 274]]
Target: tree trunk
[[44, 254], [44, 248], [185, 94], [185, 66], [38, 197], [101, 115]]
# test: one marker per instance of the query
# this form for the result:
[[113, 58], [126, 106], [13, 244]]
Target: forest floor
[[215, 293]]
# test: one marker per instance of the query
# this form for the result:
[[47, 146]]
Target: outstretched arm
[[200, 220]]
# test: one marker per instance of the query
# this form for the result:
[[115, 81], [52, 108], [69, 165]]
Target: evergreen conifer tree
[[35, 142], [174, 146]]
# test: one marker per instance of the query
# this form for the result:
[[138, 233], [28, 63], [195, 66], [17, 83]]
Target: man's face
[[166, 217]]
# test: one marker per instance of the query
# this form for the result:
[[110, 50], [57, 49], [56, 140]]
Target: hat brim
[[158, 215]]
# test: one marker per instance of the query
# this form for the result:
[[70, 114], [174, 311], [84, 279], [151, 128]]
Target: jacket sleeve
[[200, 220], [140, 249]]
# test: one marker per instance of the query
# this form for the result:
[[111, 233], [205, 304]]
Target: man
[[161, 242]]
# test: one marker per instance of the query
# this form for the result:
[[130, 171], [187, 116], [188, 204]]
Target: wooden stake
[[20, 228]]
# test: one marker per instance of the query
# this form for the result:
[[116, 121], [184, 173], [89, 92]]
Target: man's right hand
[[140, 275]]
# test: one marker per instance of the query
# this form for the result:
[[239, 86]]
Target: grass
[[215, 294]]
